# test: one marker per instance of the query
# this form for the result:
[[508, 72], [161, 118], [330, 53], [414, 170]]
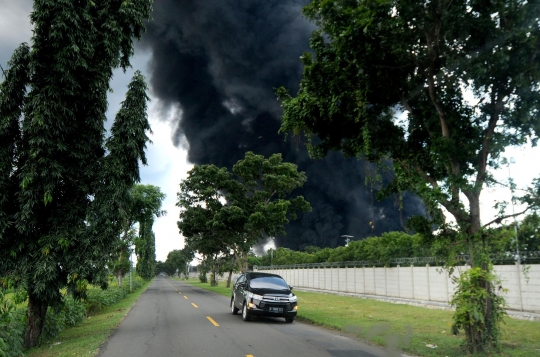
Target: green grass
[[408, 328], [221, 289], [85, 339]]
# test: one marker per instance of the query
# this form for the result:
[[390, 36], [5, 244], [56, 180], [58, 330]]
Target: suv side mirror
[[290, 287]]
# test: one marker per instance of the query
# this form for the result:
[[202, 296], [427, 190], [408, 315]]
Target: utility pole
[[130, 271], [347, 239], [512, 161]]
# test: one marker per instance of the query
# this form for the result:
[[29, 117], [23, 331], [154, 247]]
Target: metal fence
[[526, 257]]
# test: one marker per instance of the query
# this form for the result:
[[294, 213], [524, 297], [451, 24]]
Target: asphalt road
[[173, 318]]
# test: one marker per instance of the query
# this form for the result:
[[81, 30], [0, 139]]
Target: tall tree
[[266, 186], [223, 211], [179, 259], [164, 267], [207, 223], [120, 262], [141, 206], [441, 87], [144, 208], [61, 183]]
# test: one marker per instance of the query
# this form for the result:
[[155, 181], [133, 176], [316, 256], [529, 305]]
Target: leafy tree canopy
[[442, 88], [223, 211], [164, 267], [179, 259], [144, 208], [62, 183]]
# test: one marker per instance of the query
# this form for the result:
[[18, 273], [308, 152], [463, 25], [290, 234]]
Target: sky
[[168, 159]]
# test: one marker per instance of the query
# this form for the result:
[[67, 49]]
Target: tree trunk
[[474, 223], [229, 279], [481, 335], [474, 207], [244, 262], [37, 311], [119, 277], [213, 281]]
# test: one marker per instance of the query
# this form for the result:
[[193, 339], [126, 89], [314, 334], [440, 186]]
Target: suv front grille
[[275, 299]]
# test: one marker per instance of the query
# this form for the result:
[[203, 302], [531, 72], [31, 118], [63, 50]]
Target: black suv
[[263, 294]]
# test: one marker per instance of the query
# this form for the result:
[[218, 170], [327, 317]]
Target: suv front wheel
[[245, 313], [234, 309]]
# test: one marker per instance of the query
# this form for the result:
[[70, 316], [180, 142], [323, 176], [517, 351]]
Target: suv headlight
[[293, 298], [254, 296]]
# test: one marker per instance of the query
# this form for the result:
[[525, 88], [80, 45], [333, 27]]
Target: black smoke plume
[[220, 62]]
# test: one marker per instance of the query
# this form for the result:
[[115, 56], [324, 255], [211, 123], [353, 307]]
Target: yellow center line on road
[[212, 321], [195, 306], [185, 297], [249, 355]]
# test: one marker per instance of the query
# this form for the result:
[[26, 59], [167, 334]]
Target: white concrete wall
[[423, 283]]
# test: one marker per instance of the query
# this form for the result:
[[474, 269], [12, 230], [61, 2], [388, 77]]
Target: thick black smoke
[[220, 62]]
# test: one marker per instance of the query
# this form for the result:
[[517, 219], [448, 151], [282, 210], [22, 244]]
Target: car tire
[[245, 313], [234, 309], [289, 319]]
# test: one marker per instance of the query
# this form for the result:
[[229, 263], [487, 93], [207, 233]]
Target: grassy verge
[[408, 328], [220, 289], [85, 339]]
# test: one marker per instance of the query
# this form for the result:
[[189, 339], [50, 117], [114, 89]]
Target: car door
[[238, 291]]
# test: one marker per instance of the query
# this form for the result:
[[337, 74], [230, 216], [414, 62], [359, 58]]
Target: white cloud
[[15, 27], [523, 171], [167, 166]]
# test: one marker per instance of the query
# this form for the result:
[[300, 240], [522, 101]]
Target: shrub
[[71, 313], [136, 284], [97, 299], [479, 310], [11, 328]]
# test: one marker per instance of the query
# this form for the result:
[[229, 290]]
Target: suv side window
[[241, 279]]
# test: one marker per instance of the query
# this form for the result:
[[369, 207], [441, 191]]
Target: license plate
[[275, 309]]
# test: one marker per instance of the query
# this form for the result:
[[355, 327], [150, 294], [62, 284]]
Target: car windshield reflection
[[269, 282]]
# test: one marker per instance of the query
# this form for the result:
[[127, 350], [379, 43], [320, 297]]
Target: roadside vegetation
[[393, 245], [413, 330], [78, 324]]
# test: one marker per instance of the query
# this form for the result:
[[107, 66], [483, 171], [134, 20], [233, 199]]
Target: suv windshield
[[268, 282]]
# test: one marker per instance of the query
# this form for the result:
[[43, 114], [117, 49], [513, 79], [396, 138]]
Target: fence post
[[446, 281], [398, 284], [519, 287], [374, 281], [346, 279], [428, 285], [412, 280], [354, 276], [364, 281], [385, 283]]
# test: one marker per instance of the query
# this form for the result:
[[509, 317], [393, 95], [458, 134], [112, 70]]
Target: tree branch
[[426, 177], [405, 103], [500, 219], [486, 142]]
